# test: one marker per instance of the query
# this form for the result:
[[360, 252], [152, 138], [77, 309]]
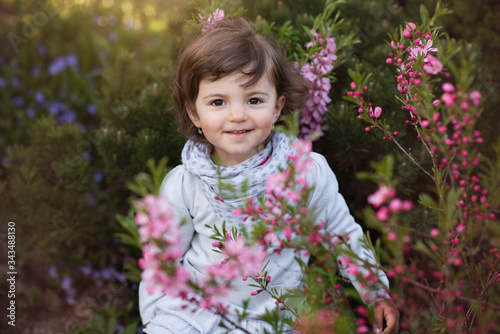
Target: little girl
[[232, 86]]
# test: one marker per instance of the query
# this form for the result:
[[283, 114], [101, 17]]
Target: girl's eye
[[217, 103], [254, 100]]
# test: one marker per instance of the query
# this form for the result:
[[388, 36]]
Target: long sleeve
[[174, 189], [331, 208]]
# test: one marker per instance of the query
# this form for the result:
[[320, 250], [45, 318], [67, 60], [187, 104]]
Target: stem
[[469, 300], [406, 153]]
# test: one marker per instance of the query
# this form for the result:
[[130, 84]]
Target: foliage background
[[85, 102]]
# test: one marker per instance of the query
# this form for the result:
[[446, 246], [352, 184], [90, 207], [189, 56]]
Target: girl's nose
[[237, 113]]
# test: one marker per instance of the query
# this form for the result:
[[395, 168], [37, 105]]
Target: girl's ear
[[280, 103], [193, 116]]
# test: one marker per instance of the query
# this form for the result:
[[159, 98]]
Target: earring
[[200, 131], [272, 127]]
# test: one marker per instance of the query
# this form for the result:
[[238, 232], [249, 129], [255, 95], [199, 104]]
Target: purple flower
[[72, 61], [42, 50], [86, 156], [3, 82], [39, 97], [56, 107], [92, 109], [87, 270], [113, 36], [98, 176], [18, 101], [31, 113], [15, 81], [57, 66], [119, 329], [62, 62], [66, 117], [67, 283], [107, 273], [52, 272]]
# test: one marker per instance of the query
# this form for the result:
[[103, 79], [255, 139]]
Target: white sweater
[[184, 192]]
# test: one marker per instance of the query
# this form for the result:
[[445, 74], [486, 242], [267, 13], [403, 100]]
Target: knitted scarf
[[255, 170]]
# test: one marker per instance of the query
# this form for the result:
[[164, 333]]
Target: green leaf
[[427, 201]]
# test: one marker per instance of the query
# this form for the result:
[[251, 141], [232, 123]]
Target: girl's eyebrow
[[221, 95], [258, 92]]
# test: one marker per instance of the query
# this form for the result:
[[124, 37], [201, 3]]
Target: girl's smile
[[235, 119]]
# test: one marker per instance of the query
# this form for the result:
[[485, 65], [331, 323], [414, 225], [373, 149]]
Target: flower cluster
[[283, 189], [159, 231], [316, 71], [63, 62], [387, 195], [444, 116], [240, 261], [210, 22]]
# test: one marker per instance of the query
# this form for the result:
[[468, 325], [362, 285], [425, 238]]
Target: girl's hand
[[386, 310]]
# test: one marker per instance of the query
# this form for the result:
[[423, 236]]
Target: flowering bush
[[446, 273], [443, 273], [312, 117]]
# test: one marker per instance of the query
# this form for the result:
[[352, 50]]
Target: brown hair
[[231, 47]]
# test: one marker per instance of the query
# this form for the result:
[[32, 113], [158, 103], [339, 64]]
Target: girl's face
[[236, 120]]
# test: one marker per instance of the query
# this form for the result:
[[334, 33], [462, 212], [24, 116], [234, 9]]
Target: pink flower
[[408, 29], [352, 269], [391, 236], [212, 20], [434, 232], [377, 112], [302, 147], [396, 205], [475, 97], [275, 183], [422, 49], [383, 194], [448, 99], [383, 214], [433, 65], [448, 87], [312, 116]]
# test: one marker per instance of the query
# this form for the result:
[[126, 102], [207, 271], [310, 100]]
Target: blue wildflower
[[107, 273], [66, 117], [6, 161], [98, 177], [86, 156], [52, 272], [119, 329], [67, 283], [18, 101], [92, 109], [31, 113], [42, 50], [56, 107], [57, 66], [87, 270], [113, 36], [72, 61], [39, 97], [3, 82], [15, 81]]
